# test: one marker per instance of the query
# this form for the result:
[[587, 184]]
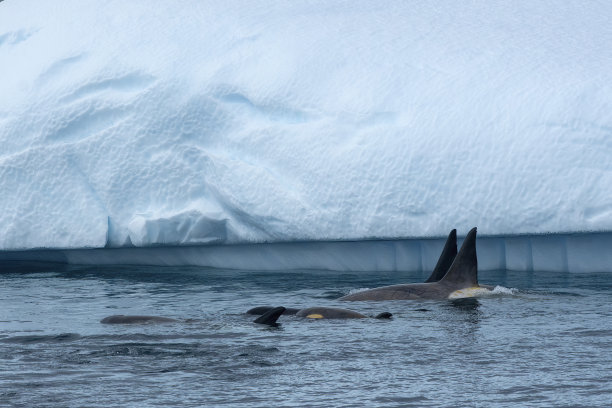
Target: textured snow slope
[[149, 122]]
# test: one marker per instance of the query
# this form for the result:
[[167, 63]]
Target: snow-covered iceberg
[[149, 123]]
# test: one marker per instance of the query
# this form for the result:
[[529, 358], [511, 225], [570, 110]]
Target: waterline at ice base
[[553, 253], [342, 136]]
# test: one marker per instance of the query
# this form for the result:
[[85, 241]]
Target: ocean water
[[541, 340]]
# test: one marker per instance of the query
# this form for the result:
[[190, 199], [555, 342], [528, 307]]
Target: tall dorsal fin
[[270, 317], [463, 273], [446, 258]]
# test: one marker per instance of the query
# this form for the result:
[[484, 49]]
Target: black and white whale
[[269, 318], [135, 319], [444, 262], [320, 312], [461, 280], [447, 256], [336, 313]]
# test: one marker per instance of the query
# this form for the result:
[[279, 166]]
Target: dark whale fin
[[259, 310], [463, 273], [383, 315], [446, 258], [270, 317]]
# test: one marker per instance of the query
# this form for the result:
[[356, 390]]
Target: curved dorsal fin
[[446, 258], [270, 317], [463, 273]]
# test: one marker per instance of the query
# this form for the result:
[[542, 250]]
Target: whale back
[[463, 272], [446, 258]]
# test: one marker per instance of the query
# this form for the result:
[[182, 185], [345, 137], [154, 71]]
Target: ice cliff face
[[148, 122]]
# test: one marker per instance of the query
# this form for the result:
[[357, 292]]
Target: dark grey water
[[547, 342]]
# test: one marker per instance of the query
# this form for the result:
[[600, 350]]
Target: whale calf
[[461, 280]]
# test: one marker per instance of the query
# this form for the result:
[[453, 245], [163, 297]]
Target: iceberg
[[230, 124]]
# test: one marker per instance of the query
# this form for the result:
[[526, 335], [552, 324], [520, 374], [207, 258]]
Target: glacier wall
[[146, 123], [564, 253]]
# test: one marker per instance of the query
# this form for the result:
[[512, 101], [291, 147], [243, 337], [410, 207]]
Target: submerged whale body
[[123, 319], [269, 318], [336, 313], [461, 280], [320, 313]]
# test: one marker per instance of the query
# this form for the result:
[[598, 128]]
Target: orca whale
[[123, 319], [461, 280], [269, 318], [336, 313], [321, 313]]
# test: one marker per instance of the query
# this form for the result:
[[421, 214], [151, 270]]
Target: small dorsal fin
[[259, 310], [446, 258], [463, 272], [270, 317]]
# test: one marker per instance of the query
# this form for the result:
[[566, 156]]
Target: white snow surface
[[219, 122]]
